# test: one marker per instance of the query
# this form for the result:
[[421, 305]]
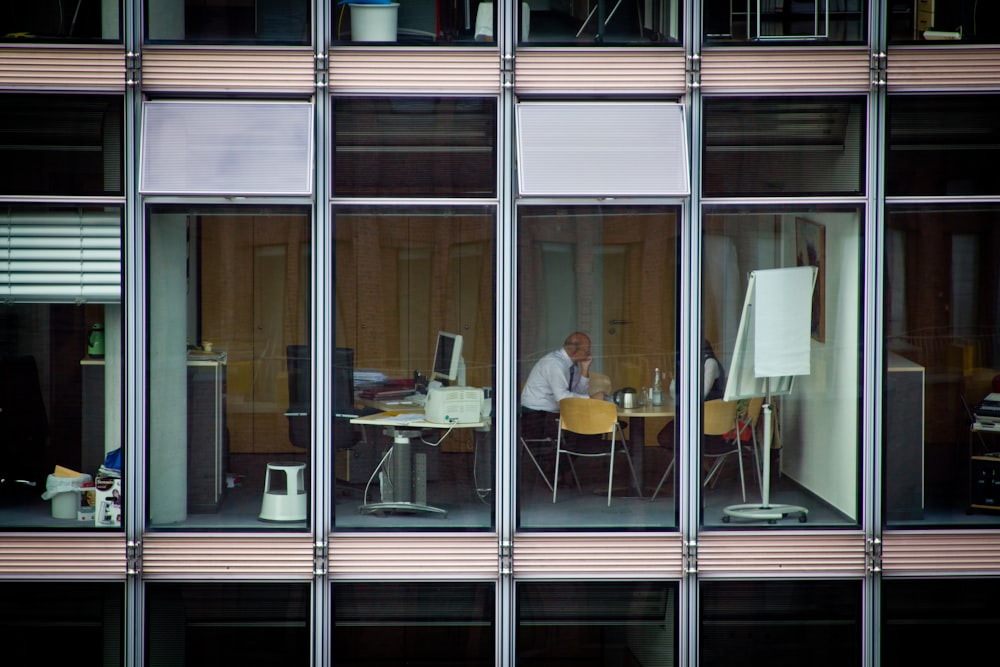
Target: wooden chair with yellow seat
[[717, 420], [588, 416], [535, 447]]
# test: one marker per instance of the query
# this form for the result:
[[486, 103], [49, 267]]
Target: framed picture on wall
[[810, 250]]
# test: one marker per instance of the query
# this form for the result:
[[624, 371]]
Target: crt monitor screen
[[447, 356]]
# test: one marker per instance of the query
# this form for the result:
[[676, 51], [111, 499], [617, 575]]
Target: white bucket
[[374, 23], [64, 505]]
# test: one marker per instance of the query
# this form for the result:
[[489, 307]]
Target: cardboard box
[[88, 502], [109, 502]]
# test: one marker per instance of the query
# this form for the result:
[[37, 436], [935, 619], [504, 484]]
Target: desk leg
[[637, 447], [404, 484]]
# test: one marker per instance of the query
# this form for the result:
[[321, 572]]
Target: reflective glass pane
[[959, 22], [416, 23], [600, 22], [942, 317], [45, 21], [37, 619], [598, 290], [61, 144], [60, 365], [207, 624], [399, 623], [782, 22], [927, 621], [228, 316], [780, 623], [414, 303], [228, 22], [607, 624], [782, 322], [759, 147], [415, 147], [943, 145]]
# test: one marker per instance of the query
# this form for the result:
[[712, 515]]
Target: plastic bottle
[[657, 387]]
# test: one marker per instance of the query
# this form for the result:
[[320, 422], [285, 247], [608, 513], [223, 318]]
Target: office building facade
[[235, 234]]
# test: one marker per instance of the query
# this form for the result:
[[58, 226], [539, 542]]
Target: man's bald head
[[577, 346]]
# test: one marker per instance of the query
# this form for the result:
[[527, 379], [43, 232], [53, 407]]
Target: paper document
[[402, 418]]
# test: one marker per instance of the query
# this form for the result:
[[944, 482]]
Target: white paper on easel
[[782, 321]]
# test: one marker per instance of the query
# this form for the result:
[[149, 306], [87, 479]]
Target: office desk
[[637, 430], [409, 475]]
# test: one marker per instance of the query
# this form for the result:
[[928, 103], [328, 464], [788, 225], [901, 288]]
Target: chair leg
[[538, 466], [555, 473], [666, 473]]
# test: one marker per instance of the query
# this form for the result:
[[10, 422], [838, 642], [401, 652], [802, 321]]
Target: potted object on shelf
[[373, 20]]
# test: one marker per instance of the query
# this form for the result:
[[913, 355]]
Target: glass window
[[610, 274], [38, 620], [415, 147], [927, 621], [942, 317], [810, 356], [784, 21], [60, 363], [414, 23], [228, 312], [407, 623], [780, 623], [414, 303], [61, 144], [600, 22], [612, 624], [943, 145], [46, 21], [229, 21], [206, 624], [805, 146], [955, 21]]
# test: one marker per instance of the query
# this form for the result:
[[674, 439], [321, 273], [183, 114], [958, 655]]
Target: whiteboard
[[773, 340]]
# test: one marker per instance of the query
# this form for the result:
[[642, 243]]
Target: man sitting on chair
[[562, 373]]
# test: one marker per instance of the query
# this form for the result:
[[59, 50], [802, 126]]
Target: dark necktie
[[572, 372]]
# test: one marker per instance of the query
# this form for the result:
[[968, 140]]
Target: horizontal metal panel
[[934, 553], [943, 68], [611, 149], [798, 553], [63, 68], [238, 556], [362, 70], [260, 70], [577, 556], [64, 555], [600, 71], [415, 556], [231, 147], [785, 70]]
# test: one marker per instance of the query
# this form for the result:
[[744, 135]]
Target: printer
[[987, 412], [454, 405]]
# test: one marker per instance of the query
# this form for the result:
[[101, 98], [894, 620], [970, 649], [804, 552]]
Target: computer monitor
[[448, 363]]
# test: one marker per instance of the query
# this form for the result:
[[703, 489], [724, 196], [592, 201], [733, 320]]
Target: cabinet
[[207, 435], [904, 439]]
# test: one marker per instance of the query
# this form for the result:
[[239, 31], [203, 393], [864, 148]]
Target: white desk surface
[[665, 410], [400, 418]]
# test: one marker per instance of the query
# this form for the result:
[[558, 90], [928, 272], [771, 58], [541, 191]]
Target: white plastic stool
[[288, 503]]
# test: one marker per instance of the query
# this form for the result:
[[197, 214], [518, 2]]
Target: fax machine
[[987, 412], [454, 405]]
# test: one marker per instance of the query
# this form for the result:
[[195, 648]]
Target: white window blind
[[226, 148], [602, 149], [60, 257]]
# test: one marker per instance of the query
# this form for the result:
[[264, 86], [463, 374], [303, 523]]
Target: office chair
[[588, 416], [719, 419]]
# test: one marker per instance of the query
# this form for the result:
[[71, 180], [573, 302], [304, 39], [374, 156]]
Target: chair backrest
[[587, 416], [753, 409], [718, 417]]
